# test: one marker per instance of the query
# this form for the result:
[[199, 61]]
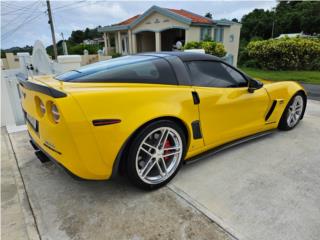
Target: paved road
[[68, 209], [264, 189], [313, 90]]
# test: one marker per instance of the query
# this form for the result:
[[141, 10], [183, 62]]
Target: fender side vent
[[101, 122], [196, 130], [274, 103]]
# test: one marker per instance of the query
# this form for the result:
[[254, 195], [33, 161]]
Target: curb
[[29, 218]]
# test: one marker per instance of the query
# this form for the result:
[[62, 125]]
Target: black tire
[[283, 124], [131, 166]]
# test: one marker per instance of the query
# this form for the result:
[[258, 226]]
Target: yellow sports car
[[144, 115]]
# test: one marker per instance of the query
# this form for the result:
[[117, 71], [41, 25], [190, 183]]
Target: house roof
[[195, 18], [128, 21], [180, 15]]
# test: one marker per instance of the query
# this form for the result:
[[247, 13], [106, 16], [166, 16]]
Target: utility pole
[[55, 50], [274, 16], [64, 46]]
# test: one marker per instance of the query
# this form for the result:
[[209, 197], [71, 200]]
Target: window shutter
[[221, 34], [201, 34]]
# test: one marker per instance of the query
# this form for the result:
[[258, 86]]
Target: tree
[[257, 23], [288, 17], [15, 50], [297, 16], [235, 20], [77, 36], [208, 15], [87, 33]]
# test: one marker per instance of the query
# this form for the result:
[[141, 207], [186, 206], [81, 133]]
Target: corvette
[[146, 114]]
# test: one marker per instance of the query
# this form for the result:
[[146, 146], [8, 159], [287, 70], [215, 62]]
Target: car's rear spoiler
[[23, 81]]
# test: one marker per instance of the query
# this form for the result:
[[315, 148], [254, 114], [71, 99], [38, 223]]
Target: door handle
[[196, 99]]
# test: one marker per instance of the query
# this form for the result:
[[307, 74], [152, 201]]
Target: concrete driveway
[[264, 189], [57, 207]]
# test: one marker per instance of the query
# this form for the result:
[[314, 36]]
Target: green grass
[[299, 76]]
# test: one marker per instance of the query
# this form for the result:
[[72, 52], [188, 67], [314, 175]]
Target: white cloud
[[74, 15], [104, 10]]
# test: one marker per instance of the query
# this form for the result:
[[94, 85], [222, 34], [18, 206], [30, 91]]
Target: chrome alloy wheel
[[295, 111], [159, 155]]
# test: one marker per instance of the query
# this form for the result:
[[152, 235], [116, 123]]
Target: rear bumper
[[45, 154], [72, 142]]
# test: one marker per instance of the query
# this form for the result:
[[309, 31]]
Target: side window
[[205, 33], [150, 71], [235, 75], [215, 74], [218, 34]]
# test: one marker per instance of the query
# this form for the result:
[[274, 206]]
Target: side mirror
[[254, 85]]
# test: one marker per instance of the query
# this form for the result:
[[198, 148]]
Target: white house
[[158, 29]]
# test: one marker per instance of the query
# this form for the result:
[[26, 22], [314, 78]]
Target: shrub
[[210, 47], [286, 53], [192, 45], [78, 49], [115, 55]]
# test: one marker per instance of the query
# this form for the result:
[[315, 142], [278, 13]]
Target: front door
[[227, 110]]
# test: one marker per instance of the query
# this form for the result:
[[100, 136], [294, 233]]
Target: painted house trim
[[162, 11]]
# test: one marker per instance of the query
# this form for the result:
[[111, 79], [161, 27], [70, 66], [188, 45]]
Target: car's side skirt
[[220, 148]]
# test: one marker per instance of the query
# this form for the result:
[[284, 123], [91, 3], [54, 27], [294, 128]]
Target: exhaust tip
[[41, 156], [33, 145]]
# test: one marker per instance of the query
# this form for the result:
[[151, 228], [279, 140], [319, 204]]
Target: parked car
[[146, 114]]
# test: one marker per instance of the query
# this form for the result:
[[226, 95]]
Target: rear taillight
[[41, 108], [54, 112]]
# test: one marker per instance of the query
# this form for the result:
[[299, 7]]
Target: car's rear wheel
[[156, 154], [293, 112]]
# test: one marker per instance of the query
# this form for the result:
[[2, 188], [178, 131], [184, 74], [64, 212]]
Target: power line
[[16, 20], [11, 32], [23, 16], [73, 7], [70, 4], [26, 20], [21, 9]]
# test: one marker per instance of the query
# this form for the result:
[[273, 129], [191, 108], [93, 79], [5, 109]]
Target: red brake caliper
[[166, 145]]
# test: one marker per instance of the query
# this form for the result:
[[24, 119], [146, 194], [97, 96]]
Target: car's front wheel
[[156, 154], [293, 112]]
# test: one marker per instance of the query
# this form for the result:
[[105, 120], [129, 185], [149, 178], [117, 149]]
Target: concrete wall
[[69, 62], [92, 58], [103, 58], [193, 34], [12, 61], [87, 59], [232, 46], [4, 64]]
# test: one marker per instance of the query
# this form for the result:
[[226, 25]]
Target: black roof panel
[[184, 56]]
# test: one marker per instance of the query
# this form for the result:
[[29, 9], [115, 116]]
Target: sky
[[24, 22]]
